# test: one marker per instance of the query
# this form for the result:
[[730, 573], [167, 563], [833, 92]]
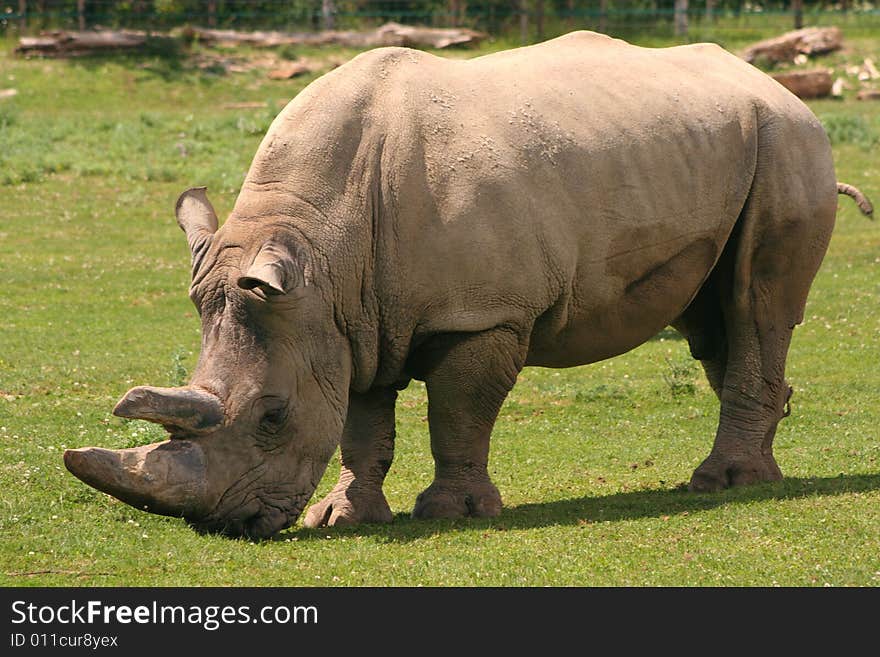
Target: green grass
[[591, 462]]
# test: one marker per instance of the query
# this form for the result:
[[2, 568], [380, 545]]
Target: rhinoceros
[[411, 217]]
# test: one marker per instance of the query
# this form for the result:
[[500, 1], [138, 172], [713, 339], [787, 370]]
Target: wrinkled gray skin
[[454, 221]]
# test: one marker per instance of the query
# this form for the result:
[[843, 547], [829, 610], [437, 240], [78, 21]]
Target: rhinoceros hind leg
[[702, 325], [778, 249], [468, 377], [366, 451], [753, 394], [736, 462], [716, 474]]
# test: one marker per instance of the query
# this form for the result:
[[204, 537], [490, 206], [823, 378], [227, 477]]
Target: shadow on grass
[[634, 505]]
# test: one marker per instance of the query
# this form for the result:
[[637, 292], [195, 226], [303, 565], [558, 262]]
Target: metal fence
[[530, 19]]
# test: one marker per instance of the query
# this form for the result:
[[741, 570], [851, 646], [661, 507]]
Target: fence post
[[22, 15], [710, 10], [212, 13], [681, 18], [328, 14], [523, 22], [539, 19], [798, 8], [603, 16], [81, 14]]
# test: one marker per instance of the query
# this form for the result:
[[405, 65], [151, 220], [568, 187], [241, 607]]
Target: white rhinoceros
[[412, 217]]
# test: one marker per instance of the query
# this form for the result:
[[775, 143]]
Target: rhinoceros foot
[[349, 505], [442, 499], [718, 472]]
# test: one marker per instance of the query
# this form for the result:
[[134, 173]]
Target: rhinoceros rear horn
[[275, 270], [191, 409], [196, 216]]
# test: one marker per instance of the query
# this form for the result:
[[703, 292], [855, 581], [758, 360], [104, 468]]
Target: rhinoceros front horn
[[191, 409], [168, 478]]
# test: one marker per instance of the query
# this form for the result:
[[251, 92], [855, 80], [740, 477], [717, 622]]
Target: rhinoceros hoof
[[717, 473], [454, 500], [349, 505]]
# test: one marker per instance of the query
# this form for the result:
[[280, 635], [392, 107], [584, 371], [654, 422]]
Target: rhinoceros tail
[[860, 199]]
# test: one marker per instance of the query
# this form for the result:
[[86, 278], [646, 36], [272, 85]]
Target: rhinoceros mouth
[[256, 515]]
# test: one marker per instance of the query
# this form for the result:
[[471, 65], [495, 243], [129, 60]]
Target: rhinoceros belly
[[619, 303]]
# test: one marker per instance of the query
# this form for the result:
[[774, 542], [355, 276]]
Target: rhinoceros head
[[251, 435]]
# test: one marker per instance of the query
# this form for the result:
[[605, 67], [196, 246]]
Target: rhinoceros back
[[581, 187]]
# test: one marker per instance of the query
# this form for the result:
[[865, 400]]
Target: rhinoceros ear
[[275, 270], [196, 216]]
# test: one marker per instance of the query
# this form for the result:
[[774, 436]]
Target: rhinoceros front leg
[[366, 451], [468, 378]]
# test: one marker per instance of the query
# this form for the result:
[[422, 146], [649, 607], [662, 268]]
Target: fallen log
[[808, 41], [62, 43], [815, 83], [431, 37], [868, 94], [390, 34], [208, 36]]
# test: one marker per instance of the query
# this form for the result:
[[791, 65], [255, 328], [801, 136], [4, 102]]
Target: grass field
[[591, 462]]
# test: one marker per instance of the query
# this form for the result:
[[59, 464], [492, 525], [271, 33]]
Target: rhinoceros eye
[[273, 420]]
